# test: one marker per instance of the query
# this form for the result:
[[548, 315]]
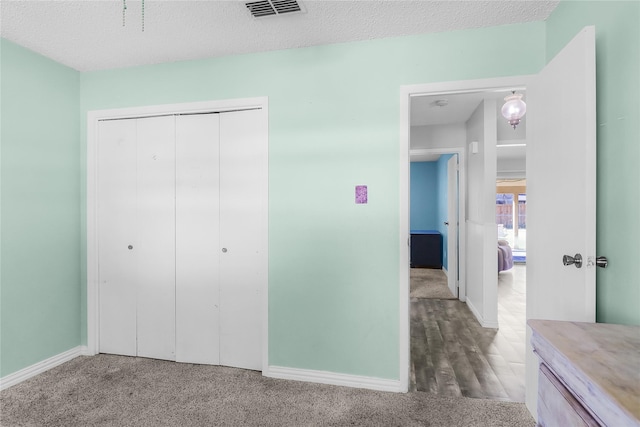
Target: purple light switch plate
[[361, 194]]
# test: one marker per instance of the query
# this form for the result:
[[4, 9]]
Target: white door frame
[[93, 117], [406, 92], [460, 151]]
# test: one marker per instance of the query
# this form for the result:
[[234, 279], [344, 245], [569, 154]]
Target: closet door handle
[[130, 247], [224, 250]]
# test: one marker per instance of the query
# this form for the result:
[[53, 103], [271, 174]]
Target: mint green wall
[[334, 123], [618, 115], [40, 194]]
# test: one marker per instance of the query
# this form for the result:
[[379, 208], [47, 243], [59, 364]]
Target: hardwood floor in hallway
[[452, 355]]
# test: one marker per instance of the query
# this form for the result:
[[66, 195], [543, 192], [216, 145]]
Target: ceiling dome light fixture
[[514, 108]]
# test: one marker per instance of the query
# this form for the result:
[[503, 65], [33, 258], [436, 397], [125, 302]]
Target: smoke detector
[[264, 8]]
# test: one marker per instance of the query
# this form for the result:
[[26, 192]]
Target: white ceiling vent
[[263, 8]]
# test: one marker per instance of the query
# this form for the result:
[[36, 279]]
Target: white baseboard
[[324, 377], [40, 367], [481, 320], [444, 270]]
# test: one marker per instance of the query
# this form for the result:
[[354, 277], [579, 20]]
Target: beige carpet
[[120, 391], [429, 283]]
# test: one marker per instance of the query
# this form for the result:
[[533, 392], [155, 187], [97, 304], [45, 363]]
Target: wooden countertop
[[599, 362]]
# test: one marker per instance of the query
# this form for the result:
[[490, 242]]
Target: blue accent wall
[[424, 196], [429, 183]]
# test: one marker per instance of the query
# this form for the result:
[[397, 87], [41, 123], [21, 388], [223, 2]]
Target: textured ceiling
[[89, 35]]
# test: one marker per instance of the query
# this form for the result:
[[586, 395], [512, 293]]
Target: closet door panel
[[156, 243], [242, 267], [197, 238], [116, 231]]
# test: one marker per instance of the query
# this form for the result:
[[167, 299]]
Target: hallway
[[452, 355]]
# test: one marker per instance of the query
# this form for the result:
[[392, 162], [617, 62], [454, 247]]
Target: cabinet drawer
[[557, 406]]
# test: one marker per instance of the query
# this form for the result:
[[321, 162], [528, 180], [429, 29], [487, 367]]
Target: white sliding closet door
[[117, 208], [156, 237], [182, 237], [243, 263], [136, 216], [197, 238]]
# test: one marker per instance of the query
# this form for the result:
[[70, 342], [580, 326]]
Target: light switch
[[473, 147]]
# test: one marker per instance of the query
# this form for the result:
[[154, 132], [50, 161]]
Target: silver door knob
[[130, 247], [224, 250], [602, 261], [575, 260]]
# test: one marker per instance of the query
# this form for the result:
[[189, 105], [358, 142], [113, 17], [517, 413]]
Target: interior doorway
[[572, 72], [437, 204], [511, 216], [509, 380]]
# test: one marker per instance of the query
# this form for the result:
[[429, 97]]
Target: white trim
[[324, 377], [405, 239], [468, 86], [406, 92], [265, 238], [484, 323], [444, 270], [185, 108], [40, 367], [93, 326]]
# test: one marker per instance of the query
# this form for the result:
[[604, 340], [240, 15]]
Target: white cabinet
[[181, 232]]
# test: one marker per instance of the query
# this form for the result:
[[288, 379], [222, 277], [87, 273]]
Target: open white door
[[561, 191], [452, 224]]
